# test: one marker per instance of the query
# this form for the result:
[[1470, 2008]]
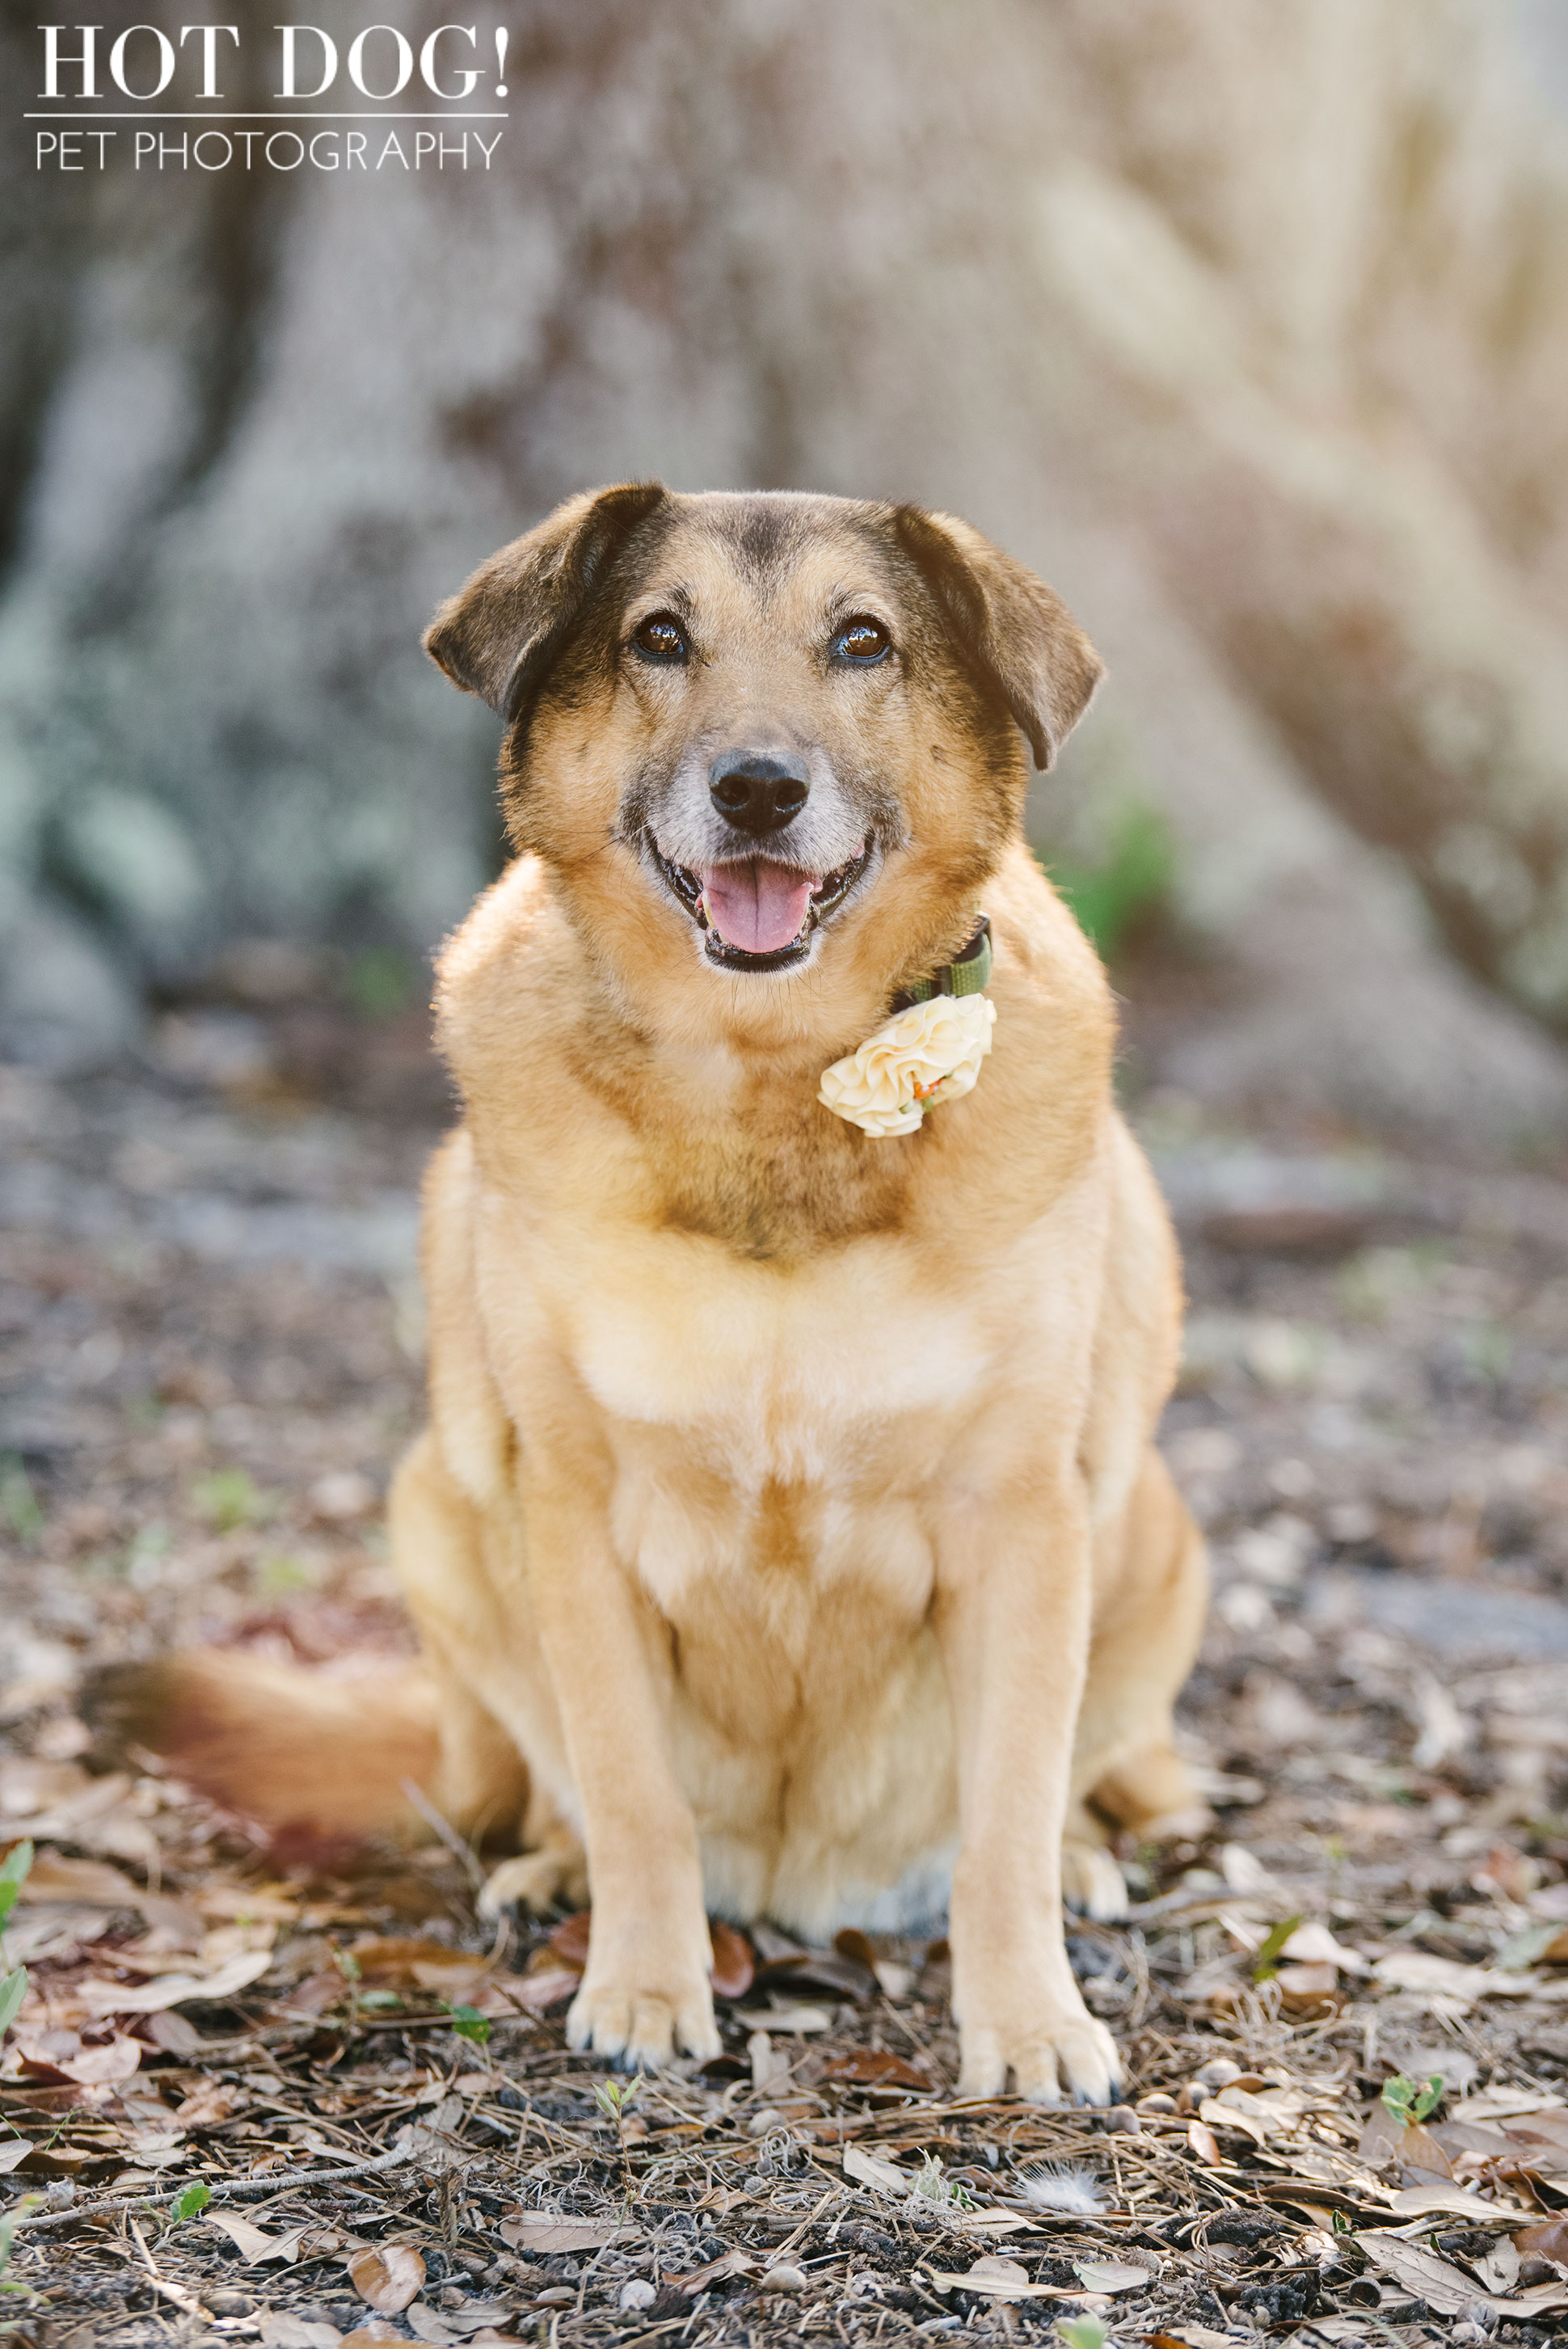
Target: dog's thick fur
[[788, 1506]]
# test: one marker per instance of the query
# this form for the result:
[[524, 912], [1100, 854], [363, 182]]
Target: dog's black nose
[[756, 790]]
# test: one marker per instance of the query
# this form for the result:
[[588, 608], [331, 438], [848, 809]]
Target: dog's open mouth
[[758, 914]]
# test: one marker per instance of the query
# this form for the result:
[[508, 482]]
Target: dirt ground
[[210, 1359]]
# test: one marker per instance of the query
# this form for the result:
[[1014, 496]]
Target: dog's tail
[[318, 1761]]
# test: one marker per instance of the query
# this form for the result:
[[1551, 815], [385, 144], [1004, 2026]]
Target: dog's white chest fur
[[772, 1433], [771, 1373]]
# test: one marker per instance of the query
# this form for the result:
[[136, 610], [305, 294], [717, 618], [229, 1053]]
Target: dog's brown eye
[[660, 638], [862, 640]]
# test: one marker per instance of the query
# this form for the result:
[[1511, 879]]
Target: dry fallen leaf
[[1112, 2275], [1443, 1728], [223, 1897], [1305, 1989], [1235, 2113], [570, 1938], [429, 1965], [857, 1947], [172, 2032], [28, 1785], [1497, 2266], [1420, 2155], [1314, 1945], [1419, 1970], [1504, 2104], [536, 1991], [802, 2019], [884, 2176], [874, 2067], [1423, 2273], [249, 2241], [990, 2265], [425, 2324], [1446, 2288], [1549, 2240], [474, 2316], [208, 2105], [87, 2066], [381, 1957], [103, 1813], [997, 2279], [546, 2232], [54, 1877], [894, 1980], [1419, 2201], [387, 2277], [734, 1966], [101, 1997], [310, 2240], [1005, 2280], [1204, 2144], [282, 2331], [735, 2262], [1540, 2139]]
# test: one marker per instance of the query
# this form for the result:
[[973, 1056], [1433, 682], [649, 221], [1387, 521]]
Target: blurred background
[[1247, 327], [1246, 322]]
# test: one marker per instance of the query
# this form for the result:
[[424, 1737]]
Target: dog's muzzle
[[759, 913]]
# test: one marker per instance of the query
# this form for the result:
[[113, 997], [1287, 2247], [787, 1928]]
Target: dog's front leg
[[1013, 1617], [646, 1990]]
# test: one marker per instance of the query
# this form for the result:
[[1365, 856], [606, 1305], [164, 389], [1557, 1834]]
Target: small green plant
[[230, 1498], [7, 2226], [1271, 1949], [1378, 1280], [1410, 2102], [932, 2184], [348, 1966], [379, 982], [277, 1576], [1523, 1948], [13, 1991], [613, 2096], [1486, 1350], [143, 1561], [15, 1870], [194, 2198], [18, 1502], [469, 2024], [1082, 2332], [1126, 881]]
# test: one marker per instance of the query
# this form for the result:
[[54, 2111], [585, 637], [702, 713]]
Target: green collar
[[967, 974]]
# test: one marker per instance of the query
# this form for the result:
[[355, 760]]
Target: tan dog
[[789, 1504]]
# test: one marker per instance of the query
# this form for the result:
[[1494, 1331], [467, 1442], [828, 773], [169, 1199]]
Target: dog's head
[[775, 727]]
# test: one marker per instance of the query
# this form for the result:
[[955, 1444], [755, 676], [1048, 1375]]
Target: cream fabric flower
[[932, 1052]]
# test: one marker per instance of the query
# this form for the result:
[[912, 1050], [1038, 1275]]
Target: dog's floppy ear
[[1019, 637], [500, 634]]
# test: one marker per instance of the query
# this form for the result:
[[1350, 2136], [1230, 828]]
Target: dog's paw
[[535, 1881], [1065, 2057], [643, 2026], [1092, 1882]]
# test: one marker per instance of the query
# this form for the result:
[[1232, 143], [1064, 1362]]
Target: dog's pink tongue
[[757, 906]]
